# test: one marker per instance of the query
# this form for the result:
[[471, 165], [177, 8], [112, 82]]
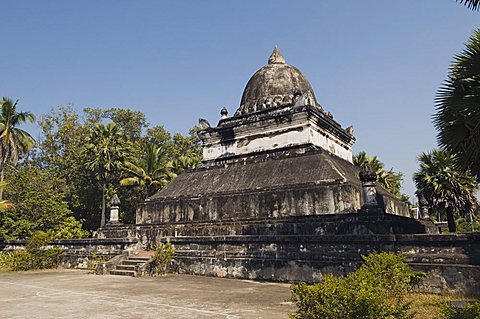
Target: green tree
[[106, 152], [39, 196], [457, 117], [151, 172], [390, 180], [446, 189], [5, 204], [13, 140], [62, 149]]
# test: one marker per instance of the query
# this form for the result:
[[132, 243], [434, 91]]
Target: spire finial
[[276, 57]]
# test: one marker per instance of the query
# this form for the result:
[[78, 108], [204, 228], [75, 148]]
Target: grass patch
[[426, 306]]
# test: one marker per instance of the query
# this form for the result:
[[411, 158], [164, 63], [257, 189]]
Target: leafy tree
[[106, 152], [446, 189], [13, 140], [62, 149], [458, 108], [390, 180], [151, 172], [39, 196]]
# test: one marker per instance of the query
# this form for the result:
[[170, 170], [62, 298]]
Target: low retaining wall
[[306, 248], [79, 252]]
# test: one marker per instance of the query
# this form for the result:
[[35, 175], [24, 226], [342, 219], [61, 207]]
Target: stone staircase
[[130, 266]]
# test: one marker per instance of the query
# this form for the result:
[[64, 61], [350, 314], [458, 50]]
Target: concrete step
[[125, 267], [132, 262], [139, 259], [123, 272]]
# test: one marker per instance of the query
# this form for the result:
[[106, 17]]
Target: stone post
[[423, 207], [114, 205], [369, 187]]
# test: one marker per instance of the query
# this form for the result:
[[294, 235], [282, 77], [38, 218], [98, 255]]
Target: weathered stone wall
[[304, 248], [78, 252], [301, 200], [451, 262]]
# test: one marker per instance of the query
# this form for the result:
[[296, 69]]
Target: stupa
[[276, 196], [280, 155]]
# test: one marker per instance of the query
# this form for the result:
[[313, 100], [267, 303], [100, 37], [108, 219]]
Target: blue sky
[[373, 64]]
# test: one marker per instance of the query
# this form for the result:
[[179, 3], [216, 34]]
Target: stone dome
[[276, 84]]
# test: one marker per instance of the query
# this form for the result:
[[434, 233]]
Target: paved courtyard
[[79, 294]]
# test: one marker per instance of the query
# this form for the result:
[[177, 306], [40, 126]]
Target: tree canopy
[[448, 191], [458, 109]]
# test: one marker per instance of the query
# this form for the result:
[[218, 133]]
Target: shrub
[[375, 290], [35, 256], [68, 229], [163, 258], [470, 311], [37, 241]]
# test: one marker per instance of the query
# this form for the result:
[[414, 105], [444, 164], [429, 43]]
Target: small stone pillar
[[369, 192], [369, 187], [114, 205], [423, 207]]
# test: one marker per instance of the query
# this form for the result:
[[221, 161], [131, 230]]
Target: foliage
[[106, 151], [40, 201], [470, 311], [472, 4], [66, 150], [13, 140], [37, 241], [376, 290], [36, 255], [457, 119], [447, 190], [62, 150], [163, 258], [390, 180], [151, 171], [70, 228]]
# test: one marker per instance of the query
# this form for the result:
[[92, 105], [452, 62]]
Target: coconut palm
[[446, 189], [151, 172], [458, 109], [107, 152], [390, 180], [472, 4], [13, 140], [185, 162]]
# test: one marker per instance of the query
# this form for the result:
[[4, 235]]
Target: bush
[[68, 229], [376, 290], [163, 258], [37, 241], [35, 256], [470, 311]]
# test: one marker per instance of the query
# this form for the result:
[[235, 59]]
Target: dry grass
[[426, 305]]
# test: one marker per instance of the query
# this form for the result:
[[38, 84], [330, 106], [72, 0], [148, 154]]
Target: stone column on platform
[[369, 191], [423, 207], [114, 206]]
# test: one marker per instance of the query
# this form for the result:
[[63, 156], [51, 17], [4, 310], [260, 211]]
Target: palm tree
[[458, 108], [390, 180], [185, 162], [472, 4], [446, 189], [107, 152], [13, 141], [151, 172]]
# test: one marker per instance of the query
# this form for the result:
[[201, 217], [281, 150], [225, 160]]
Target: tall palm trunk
[[452, 227], [102, 219]]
